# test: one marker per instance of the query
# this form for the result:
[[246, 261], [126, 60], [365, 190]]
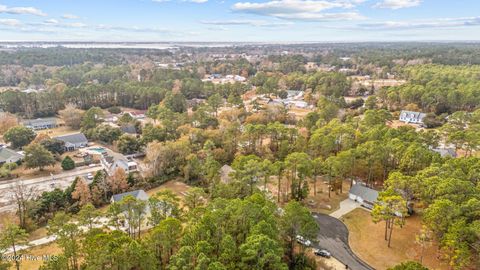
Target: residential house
[[412, 117], [73, 141], [137, 194], [445, 152], [41, 123], [137, 114], [8, 155], [294, 94], [111, 161], [129, 129], [366, 196]]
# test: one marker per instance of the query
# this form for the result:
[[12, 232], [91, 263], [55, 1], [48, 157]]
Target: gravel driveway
[[333, 236]]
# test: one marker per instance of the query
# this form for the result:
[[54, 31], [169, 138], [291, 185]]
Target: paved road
[[333, 236], [41, 184]]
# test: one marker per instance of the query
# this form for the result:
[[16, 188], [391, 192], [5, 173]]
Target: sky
[[239, 20]]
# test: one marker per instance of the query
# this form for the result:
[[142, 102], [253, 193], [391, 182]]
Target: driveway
[[346, 206], [333, 236]]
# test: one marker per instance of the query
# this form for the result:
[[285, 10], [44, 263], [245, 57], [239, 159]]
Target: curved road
[[333, 236]]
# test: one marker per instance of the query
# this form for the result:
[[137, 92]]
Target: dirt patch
[[179, 188], [367, 241]]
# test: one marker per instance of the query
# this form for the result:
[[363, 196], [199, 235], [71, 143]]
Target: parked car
[[322, 253], [303, 241], [89, 176]]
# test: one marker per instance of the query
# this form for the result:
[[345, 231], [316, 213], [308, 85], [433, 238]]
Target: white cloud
[[261, 23], [10, 22], [398, 4], [51, 21], [308, 10], [431, 23], [70, 16], [22, 10]]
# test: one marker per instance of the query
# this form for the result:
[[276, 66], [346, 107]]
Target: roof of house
[[40, 121], [364, 192], [129, 128], [418, 115], [7, 153], [445, 152], [137, 194], [73, 138]]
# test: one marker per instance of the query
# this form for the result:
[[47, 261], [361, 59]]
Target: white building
[[412, 117]]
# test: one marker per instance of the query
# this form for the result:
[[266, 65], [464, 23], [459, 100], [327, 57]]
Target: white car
[[303, 241], [89, 176]]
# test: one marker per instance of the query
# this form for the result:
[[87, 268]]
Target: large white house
[[412, 117]]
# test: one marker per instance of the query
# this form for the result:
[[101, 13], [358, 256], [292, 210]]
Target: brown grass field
[[367, 241]]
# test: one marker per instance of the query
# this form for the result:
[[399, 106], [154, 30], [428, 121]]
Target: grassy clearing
[[367, 240]]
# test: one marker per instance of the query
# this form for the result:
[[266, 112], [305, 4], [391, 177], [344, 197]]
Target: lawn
[[367, 240]]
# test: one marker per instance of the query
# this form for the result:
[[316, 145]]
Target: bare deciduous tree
[[20, 195]]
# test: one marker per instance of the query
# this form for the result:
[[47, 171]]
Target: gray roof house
[[412, 117], [128, 128], [445, 152], [137, 194], [366, 196], [7, 155], [73, 141], [41, 123]]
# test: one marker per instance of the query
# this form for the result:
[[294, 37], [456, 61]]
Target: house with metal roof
[[366, 196], [41, 123], [412, 117], [73, 141], [8, 155]]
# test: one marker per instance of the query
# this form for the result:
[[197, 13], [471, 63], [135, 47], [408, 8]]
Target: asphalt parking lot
[[333, 236]]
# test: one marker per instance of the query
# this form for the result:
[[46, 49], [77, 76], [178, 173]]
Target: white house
[[412, 117], [112, 161]]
